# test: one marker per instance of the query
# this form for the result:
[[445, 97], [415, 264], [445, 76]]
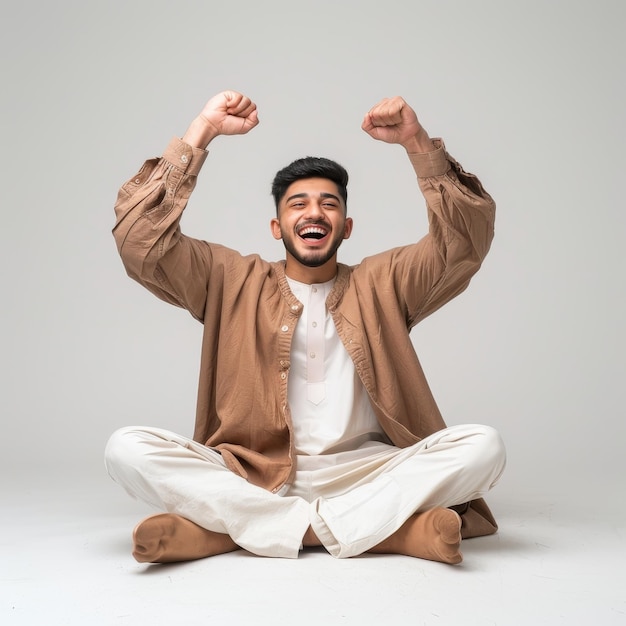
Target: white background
[[528, 95]]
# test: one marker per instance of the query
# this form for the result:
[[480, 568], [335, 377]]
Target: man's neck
[[310, 275]]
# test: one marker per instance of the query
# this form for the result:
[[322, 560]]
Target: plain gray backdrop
[[527, 95]]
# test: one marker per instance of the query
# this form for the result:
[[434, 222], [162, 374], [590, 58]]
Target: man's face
[[312, 221]]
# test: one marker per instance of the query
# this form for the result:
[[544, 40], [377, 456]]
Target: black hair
[[310, 167]]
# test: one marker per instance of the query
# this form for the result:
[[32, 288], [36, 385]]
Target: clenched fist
[[227, 113], [392, 120]]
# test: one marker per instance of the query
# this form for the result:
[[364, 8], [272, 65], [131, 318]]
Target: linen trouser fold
[[452, 466], [178, 475], [351, 507]]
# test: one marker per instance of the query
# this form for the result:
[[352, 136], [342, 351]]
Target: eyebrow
[[323, 194]]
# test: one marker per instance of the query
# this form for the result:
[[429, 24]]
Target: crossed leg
[[433, 532]]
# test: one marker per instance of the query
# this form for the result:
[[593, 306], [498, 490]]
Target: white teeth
[[312, 230]]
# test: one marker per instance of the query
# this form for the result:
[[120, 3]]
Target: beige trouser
[[351, 507]]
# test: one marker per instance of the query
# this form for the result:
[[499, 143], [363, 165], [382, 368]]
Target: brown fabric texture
[[249, 313], [477, 519]]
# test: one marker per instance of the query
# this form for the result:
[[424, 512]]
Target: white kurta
[[332, 416]]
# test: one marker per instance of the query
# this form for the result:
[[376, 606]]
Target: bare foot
[[434, 535], [166, 538]]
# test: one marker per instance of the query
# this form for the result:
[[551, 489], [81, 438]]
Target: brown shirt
[[249, 313]]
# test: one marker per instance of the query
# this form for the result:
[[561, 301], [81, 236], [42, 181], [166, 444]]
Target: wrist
[[200, 133], [419, 143]]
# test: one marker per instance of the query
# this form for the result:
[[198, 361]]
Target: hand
[[230, 113], [227, 113], [392, 120]]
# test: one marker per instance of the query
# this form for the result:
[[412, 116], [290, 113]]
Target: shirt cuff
[[185, 157], [428, 164]]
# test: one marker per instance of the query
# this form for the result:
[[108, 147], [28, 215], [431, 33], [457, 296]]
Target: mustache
[[319, 222]]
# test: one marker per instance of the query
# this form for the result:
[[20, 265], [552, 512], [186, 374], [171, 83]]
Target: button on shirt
[[330, 408]]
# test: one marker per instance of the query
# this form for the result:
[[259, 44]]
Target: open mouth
[[312, 232]]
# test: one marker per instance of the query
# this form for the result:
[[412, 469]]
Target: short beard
[[314, 259]]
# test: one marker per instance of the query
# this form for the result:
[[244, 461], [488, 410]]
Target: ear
[[275, 228], [347, 228]]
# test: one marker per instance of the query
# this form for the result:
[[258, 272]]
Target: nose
[[314, 210]]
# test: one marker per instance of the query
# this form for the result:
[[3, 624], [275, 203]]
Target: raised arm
[[461, 216], [149, 207]]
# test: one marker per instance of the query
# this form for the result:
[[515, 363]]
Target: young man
[[315, 424]]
